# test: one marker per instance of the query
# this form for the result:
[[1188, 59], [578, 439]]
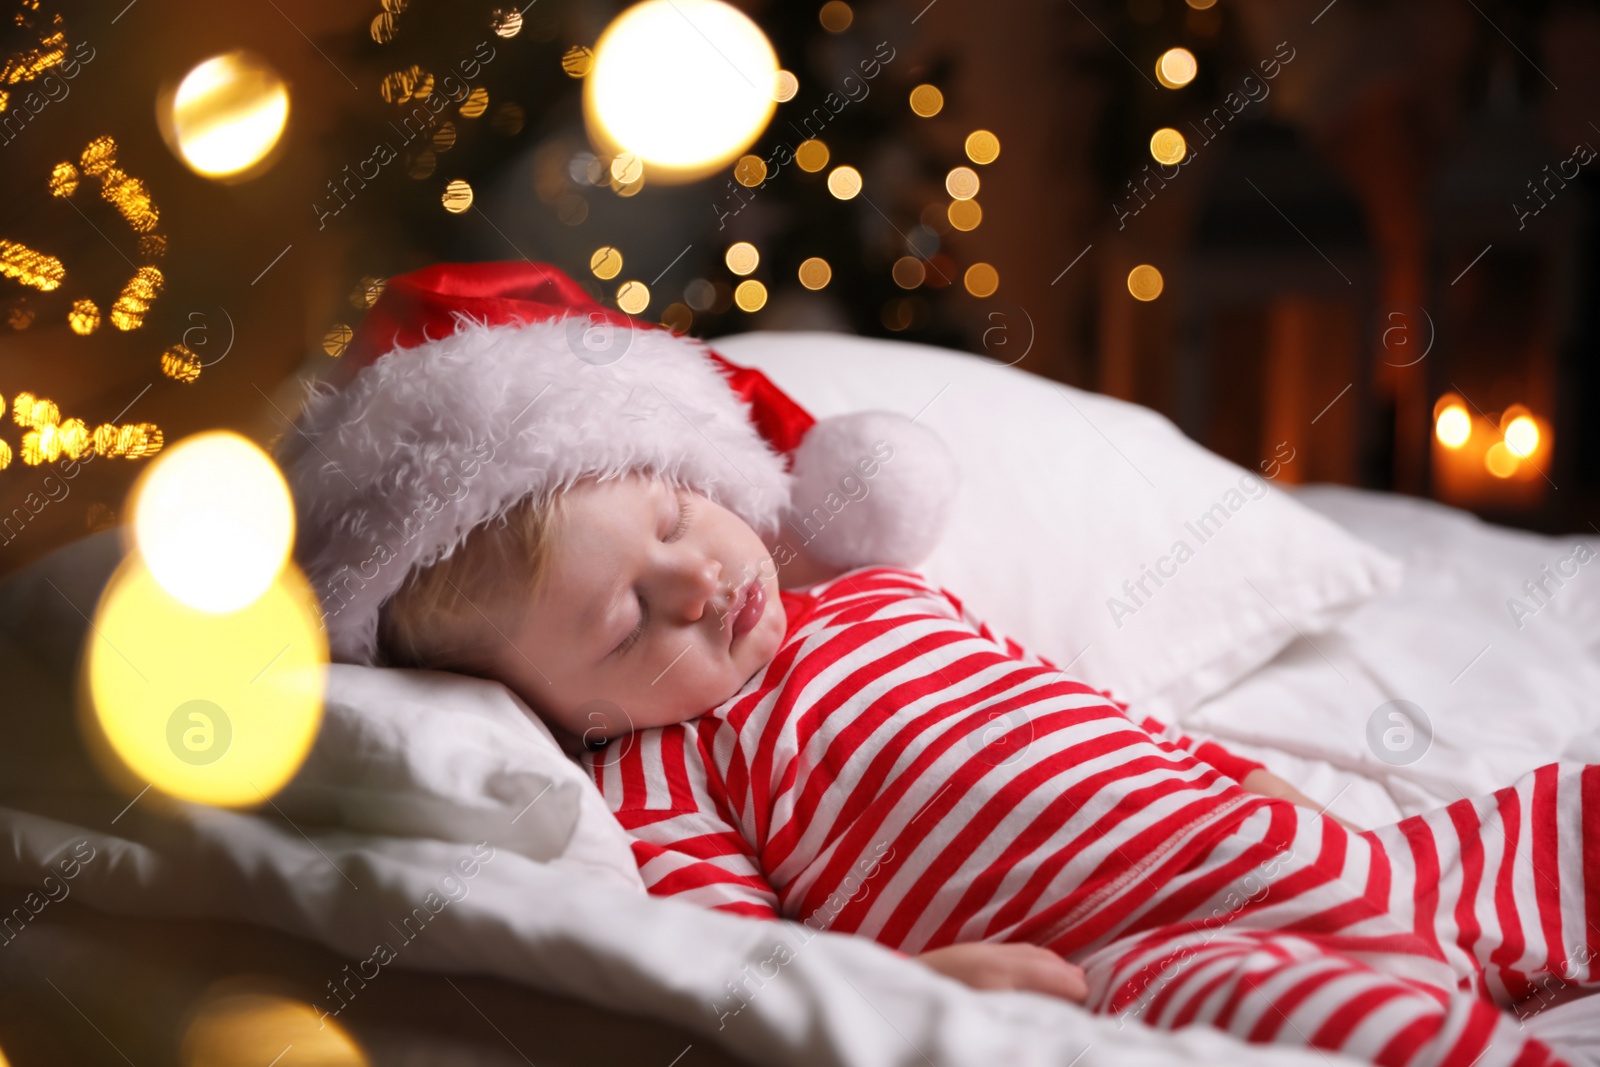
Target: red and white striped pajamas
[[902, 772]]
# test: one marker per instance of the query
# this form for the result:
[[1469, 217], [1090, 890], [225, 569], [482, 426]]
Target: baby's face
[[659, 605]]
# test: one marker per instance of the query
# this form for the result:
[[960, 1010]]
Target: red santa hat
[[470, 386]]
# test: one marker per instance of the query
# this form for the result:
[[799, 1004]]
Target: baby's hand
[[1270, 785], [985, 965]]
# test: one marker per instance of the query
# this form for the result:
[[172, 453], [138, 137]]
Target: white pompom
[[870, 488]]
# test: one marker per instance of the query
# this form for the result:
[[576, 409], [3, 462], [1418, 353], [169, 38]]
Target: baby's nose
[[700, 583]]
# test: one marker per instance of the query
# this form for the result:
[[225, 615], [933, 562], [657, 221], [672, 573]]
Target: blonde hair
[[456, 613]]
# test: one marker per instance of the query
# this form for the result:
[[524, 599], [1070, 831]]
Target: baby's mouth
[[749, 604]]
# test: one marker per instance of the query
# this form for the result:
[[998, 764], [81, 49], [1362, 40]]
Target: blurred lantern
[[1499, 461], [226, 116], [1480, 461], [1520, 430], [1451, 423], [686, 85]]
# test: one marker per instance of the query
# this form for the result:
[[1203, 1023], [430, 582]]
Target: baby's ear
[[570, 742]]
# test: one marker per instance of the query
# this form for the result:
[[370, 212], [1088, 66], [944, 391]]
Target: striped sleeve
[[1230, 764], [680, 823]]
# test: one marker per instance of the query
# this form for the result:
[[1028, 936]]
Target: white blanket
[[842, 999]]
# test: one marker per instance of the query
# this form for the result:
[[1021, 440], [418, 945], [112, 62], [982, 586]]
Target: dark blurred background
[[1371, 247]]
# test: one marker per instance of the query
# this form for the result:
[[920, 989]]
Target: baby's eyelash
[[644, 611], [683, 518], [629, 641]]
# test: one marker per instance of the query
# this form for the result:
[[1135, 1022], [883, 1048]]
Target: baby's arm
[[684, 837], [1234, 766]]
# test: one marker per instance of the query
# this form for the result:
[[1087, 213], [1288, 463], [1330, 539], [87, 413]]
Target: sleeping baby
[[856, 751], [518, 483]]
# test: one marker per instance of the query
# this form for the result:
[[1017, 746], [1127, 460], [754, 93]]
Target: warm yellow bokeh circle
[[227, 114], [214, 520], [219, 709], [686, 85]]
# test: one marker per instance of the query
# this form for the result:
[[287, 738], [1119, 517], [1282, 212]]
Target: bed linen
[[459, 907], [843, 1000]]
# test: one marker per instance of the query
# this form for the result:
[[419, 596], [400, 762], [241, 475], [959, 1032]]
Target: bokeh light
[[812, 155], [250, 1029], [685, 84], [785, 86], [750, 171], [226, 115], [844, 182], [213, 708], [457, 196], [214, 521], [606, 263], [961, 183], [964, 214], [1500, 461], [815, 273], [981, 279], [1168, 146], [84, 318], [751, 295], [1452, 426], [909, 272], [1176, 68], [677, 317], [633, 297], [835, 16], [927, 101], [982, 147], [1520, 431], [742, 258], [1145, 282]]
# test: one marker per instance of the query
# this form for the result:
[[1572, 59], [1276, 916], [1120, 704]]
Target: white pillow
[[432, 754], [1066, 495], [401, 753]]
